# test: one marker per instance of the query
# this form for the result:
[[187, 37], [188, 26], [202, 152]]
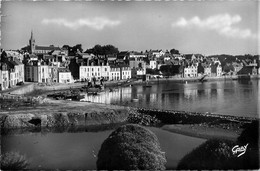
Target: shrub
[[213, 154], [131, 147], [13, 161], [250, 136]]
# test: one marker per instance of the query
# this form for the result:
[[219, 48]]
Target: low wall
[[64, 119], [60, 86]]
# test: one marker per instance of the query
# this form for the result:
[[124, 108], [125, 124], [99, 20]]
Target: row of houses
[[52, 64], [11, 73]]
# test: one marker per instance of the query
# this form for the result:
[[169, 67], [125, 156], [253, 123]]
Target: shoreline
[[73, 113]]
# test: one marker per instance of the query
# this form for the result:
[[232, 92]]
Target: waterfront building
[[4, 76], [190, 71], [114, 73], [137, 63], [237, 67], [207, 70], [14, 71], [64, 75], [248, 70], [53, 73], [19, 67], [37, 72], [219, 71], [88, 72], [125, 72]]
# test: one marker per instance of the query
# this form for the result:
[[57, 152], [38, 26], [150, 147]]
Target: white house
[[88, 72], [153, 64], [219, 70], [190, 71], [157, 53], [125, 72], [4, 77], [114, 73], [64, 75], [207, 70], [36, 72]]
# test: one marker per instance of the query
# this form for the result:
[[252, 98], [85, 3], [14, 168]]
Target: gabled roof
[[188, 56]]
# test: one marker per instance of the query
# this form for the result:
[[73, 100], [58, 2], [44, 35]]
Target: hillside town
[[50, 64]]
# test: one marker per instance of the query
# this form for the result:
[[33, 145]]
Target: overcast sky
[[207, 27]]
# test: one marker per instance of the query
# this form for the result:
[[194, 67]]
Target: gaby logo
[[239, 150]]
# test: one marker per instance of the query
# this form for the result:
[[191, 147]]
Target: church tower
[[32, 43]]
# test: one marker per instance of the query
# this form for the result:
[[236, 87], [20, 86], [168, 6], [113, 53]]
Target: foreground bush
[[13, 161], [213, 154], [131, 147], [250, 136]]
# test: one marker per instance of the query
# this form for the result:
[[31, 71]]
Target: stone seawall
[[74, 114]]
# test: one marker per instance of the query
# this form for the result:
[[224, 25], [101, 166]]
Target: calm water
[[239, 98], [79, 150]]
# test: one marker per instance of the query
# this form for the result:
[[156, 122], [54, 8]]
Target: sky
[[205, 27]]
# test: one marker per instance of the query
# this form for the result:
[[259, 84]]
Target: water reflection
[[223, 97]]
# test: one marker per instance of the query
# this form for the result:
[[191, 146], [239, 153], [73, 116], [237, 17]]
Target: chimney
[[82, 64], [88, 63], [92, 63]]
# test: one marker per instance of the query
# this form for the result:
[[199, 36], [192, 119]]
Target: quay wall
[[93, 115]]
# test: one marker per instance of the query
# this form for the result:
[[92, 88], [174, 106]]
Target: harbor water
[[231, 97]]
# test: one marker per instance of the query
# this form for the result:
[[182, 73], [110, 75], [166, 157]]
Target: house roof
[[188, 56], [47, 48], [246, 70]]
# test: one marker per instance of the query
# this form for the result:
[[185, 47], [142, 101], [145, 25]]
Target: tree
[[3, 56], [213, 154], [170, 69], [103, 50], [174, 51], [131, 147]]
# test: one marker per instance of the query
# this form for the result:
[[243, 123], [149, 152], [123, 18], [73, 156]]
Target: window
[[105, 69]]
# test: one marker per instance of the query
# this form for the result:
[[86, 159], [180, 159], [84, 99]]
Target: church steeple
[[32, 43]]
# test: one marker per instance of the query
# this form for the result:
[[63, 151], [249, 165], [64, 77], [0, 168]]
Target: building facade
[[89, 72], [64, 75]]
